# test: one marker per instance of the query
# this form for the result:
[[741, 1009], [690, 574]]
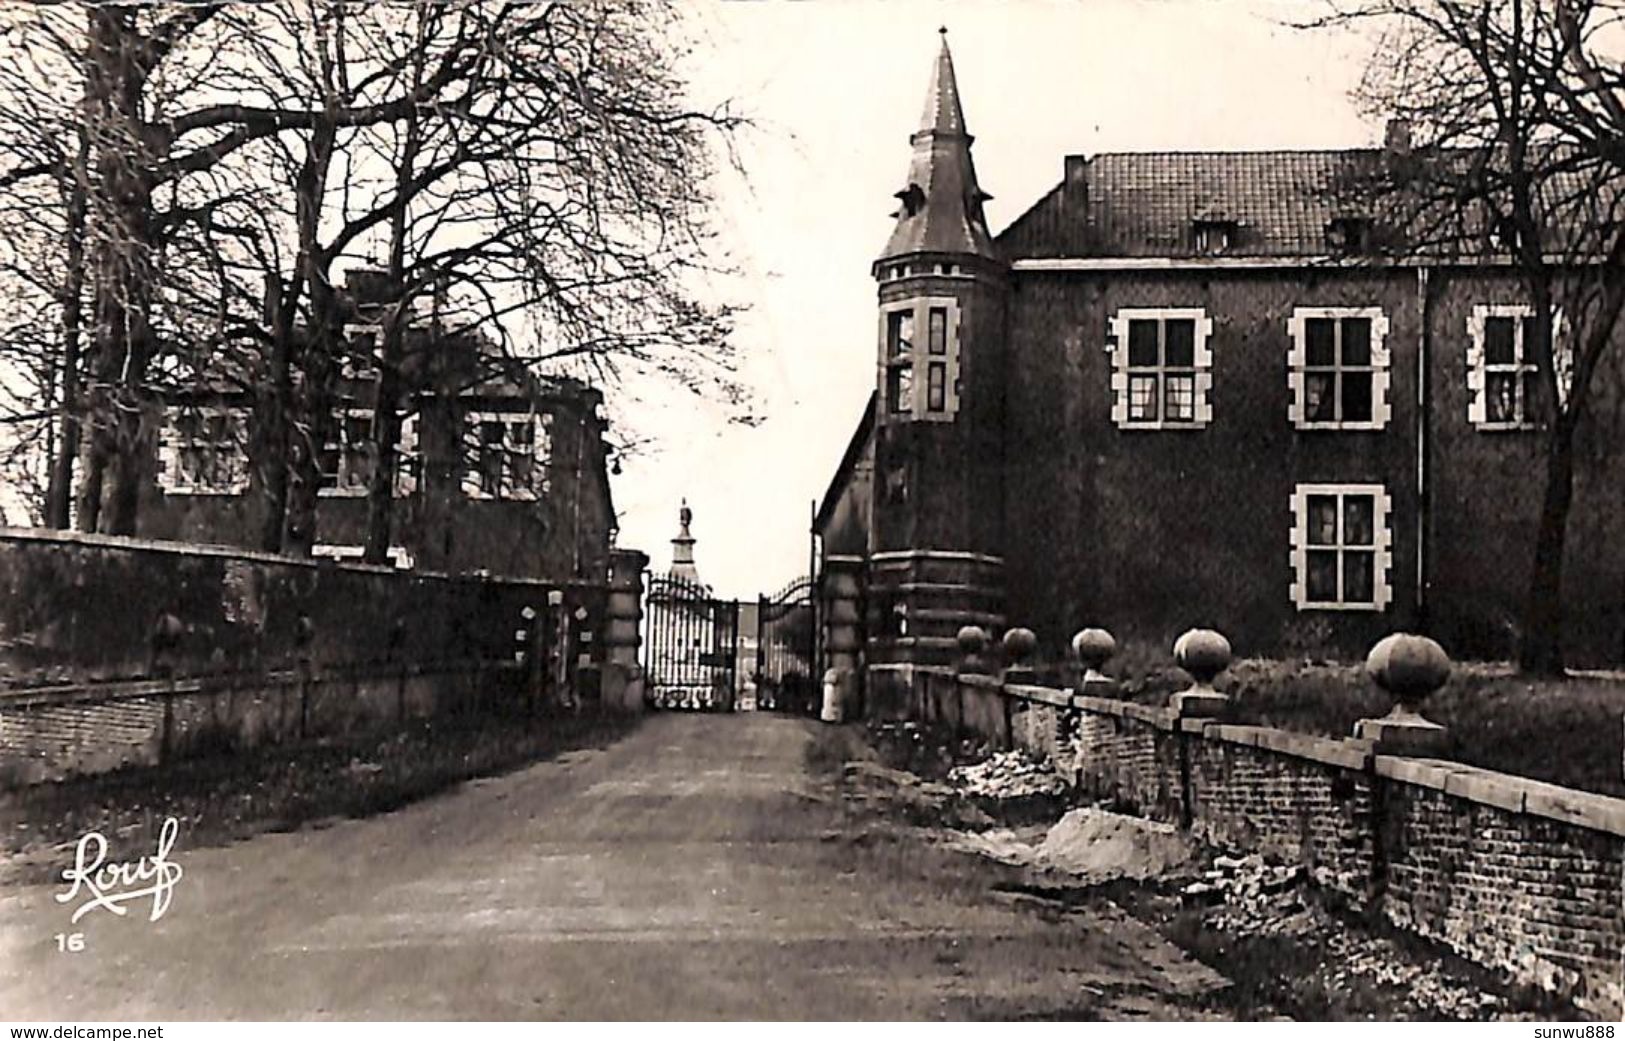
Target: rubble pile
[[1257, 897], [1007, 775], [1251, 897], [1087, 845], [1351, 958]]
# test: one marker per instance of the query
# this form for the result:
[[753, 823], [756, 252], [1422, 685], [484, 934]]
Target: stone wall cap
[[1100, 706], [1571, 806], [1234, 733], [1488, 787], [132, 544], [1353, 755], [1161, 718], [1035, 692], [1592, 810]]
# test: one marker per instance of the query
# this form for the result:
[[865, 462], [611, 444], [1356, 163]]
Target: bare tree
[[1516, 123]]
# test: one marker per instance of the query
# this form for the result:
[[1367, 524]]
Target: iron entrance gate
[[787, 649], [691, 645]]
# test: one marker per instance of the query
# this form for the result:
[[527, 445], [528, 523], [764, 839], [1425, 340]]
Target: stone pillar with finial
[[1094, 647], [1203, 653], [1410, 668]]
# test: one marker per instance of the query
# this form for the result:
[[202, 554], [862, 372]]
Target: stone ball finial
[[1408, 666], [972, 640], [1204, 654], [1019, 644], [1093, 647]]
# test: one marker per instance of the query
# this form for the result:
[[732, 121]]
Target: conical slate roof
[[942, 203]]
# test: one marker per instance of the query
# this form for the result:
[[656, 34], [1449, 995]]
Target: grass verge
[[220, 799]]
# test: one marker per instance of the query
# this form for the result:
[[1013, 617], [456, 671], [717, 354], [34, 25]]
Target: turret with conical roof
[[936, 524], [941, 209]]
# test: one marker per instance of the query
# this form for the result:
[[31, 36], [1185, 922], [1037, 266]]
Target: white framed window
[[1338, 368], [1501, 369], [202, 450], [364, 350], [1342, 547], [1162, 368], [506, 455], [920, 359], [345, 461]]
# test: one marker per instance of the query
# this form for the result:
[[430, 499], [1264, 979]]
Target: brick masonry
[[1514, 874], [143, 651]]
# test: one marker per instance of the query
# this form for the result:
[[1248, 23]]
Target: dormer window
[[1214, 235], [913, 198], [1349, 234]]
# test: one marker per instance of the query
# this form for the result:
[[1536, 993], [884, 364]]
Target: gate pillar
[[841, 589], [623, 685]]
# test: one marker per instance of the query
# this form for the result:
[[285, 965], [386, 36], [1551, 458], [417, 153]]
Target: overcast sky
[[835, 90]]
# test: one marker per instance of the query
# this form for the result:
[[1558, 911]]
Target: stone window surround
[[170, 479], [1382, 548], [541, 450], [1297, 360], [1478, 369], [919, 359], [406, 447], [1117, 346]]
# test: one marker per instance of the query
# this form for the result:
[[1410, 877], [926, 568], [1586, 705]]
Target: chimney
[[368, 286], [1396, 139]]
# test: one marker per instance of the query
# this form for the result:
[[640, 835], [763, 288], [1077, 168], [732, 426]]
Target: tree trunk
[[59, 490], [1540, 651]]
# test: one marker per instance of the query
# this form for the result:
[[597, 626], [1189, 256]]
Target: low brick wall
[[126, 651], [1514, 874]]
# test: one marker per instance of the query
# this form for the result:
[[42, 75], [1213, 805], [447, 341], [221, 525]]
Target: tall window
[[1341, 547], [1501, 366], [202, 450], [1338, 368], [345, 460], [1161, 368], [921, 377], [506, 455]]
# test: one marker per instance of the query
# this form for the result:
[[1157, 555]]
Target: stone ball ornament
[[971, 639], [1093, 648], [1204, 654], [1019, 644], [1409, 667]]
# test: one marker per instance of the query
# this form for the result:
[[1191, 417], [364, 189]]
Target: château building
[[1184, 388]]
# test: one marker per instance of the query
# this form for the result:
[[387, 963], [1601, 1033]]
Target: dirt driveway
[[698, 868]]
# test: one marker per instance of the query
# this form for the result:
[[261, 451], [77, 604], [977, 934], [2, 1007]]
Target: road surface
[[698, 868]]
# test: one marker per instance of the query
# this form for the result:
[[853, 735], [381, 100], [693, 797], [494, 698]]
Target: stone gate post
[[623, 620], [841, 588]]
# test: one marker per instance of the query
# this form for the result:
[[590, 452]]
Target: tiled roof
[[1147, 204], [1281, 204]]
